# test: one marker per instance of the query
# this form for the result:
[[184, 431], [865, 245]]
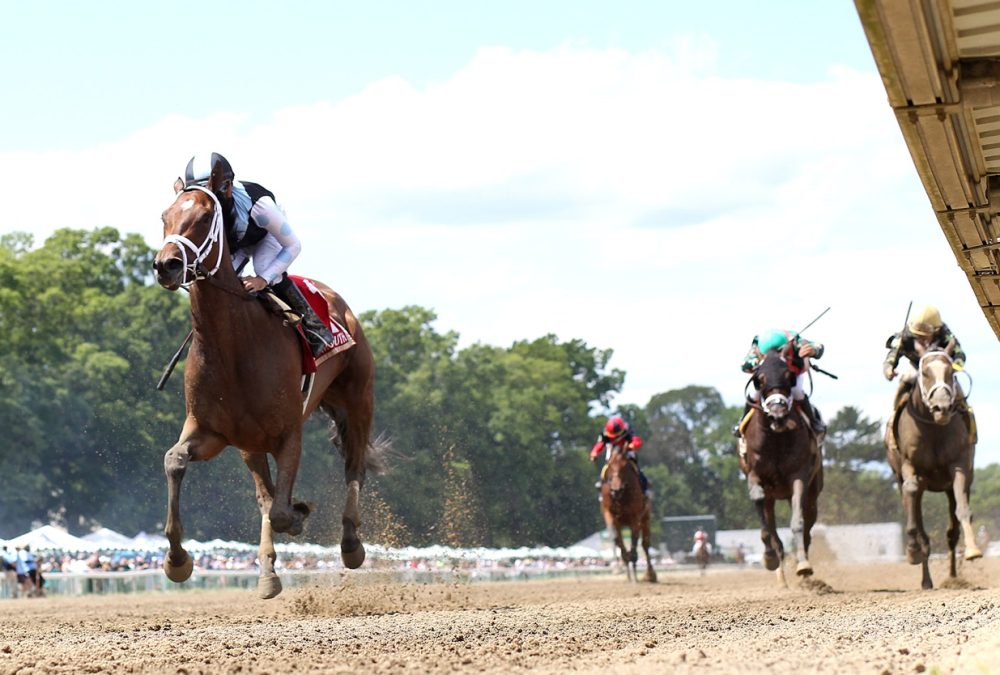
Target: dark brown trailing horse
[[782, 460], [242, 387], [623, 505], [934, 450]]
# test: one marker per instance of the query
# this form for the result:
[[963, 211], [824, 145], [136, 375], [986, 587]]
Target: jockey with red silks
[[618, 436], [800, 350], [258, 230]]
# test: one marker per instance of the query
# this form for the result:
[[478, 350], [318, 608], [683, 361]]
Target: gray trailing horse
[[929, 447]]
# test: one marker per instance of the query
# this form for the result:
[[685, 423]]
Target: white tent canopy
[[107, 538], [149, 542], [49, 538]]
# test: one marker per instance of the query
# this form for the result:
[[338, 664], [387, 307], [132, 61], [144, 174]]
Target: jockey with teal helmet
[[801, 349]]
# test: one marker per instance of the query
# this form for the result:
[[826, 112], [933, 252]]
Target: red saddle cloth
[[342, 340]]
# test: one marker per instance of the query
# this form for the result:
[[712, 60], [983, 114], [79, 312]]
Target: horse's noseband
[[777, 405]]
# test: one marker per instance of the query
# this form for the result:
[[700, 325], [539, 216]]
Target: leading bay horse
[[782, 460], [242, 387], [933, 449], [624, 505]]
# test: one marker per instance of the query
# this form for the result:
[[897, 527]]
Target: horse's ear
[[950, 347], [919, 348], [178, 185], [219, 182]]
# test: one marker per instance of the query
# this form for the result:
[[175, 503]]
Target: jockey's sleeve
[[894, 343], [957, 354], [598, 446], [818, 346], [270, 216]]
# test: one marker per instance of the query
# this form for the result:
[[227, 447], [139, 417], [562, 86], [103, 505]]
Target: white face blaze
[[187, 204]]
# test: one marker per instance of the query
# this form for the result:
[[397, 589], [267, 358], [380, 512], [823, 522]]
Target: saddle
[[342, 340]]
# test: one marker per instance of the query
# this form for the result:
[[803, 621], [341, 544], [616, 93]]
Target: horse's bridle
[[925, 393], [195, 269]]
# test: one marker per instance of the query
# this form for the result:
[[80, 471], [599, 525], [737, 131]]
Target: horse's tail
[[376, 452]]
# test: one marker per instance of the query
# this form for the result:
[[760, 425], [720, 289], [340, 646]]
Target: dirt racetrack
[[875, 620]]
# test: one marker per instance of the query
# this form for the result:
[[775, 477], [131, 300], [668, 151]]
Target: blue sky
[[706, 170]]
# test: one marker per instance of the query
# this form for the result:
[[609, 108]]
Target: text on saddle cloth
[[342, 340]]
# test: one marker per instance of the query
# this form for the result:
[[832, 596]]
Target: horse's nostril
[[168, 265]]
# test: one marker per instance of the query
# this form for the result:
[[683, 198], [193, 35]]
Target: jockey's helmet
[[925, 321], [615, 428], [199, 168]]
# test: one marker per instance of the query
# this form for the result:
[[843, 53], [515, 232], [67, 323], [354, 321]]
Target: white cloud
[[635, 200]]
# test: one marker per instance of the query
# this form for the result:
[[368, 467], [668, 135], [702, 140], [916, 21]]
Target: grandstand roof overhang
[[940, 63]]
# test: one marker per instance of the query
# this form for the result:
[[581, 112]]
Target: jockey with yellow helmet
[[618, 436], [924, 329]]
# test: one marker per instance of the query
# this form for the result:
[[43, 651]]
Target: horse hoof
[[804, 569], [268, 587], [651, 576], [178, 573], [927, 585], [353, 559], [772, 561], [973, 553], [915, 556]]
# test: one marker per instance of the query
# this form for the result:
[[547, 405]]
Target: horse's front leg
[[284, 515], [633, 554], [799, 494], [194, 445], [268, 585], [960, 485], [765, 511]]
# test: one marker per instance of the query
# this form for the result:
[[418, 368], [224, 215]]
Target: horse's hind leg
[[961, 510], [633, 554], [268, 584], [194, 445], [954, 529], [354, 433], [650, 572]]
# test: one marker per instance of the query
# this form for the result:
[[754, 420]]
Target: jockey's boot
[[317, 333], [818, 425]]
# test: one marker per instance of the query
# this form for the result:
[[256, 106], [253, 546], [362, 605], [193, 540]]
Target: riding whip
[[814, 320], [180, 350], [825, 372]]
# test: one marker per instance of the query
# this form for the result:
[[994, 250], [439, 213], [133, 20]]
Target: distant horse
[[933, 451], [782, 460], [702, 555], [242, 387], [624, 505]]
